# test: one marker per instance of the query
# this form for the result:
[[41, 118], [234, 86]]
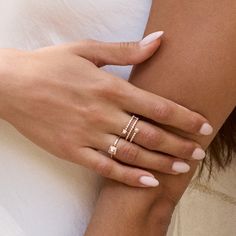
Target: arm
[[196, 68]]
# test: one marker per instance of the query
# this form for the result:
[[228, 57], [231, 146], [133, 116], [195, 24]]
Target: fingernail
[[198, 154], [151, 38], [148, 181], [206, 129], [180, 167]]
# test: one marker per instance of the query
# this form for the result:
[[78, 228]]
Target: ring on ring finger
[[130, 131]]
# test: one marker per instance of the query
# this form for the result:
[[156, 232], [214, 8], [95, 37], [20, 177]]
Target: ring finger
[[135, 155], [157, 139]]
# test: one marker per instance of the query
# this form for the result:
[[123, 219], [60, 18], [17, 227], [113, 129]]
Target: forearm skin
[[196, 67]]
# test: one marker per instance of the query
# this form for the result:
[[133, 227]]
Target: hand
[[58, 98]]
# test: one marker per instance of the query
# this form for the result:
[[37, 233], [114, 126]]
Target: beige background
[[208, 208]]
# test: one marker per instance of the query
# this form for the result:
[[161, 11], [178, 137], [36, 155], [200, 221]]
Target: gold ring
[[125, 130], [136, 119], [136, 130], [129, 130], [130, 127], [113, 148]]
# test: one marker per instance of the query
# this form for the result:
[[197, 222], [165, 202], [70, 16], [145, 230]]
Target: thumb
[[123, 53]]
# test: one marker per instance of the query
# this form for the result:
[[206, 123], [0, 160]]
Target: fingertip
[[151, 38], [148, 181], [206, 129], [145, 51]]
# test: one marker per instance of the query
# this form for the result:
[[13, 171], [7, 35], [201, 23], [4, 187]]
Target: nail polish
[[198, 154], [206, 129], [148, 181], [180, 167], [151, 38]]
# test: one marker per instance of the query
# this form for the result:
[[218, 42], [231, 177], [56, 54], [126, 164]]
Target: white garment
[[40, 194]]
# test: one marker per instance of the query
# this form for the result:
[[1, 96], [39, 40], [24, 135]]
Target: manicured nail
[[198, 154], [151, 38], [148, 181], [180, 167], [206, 129]]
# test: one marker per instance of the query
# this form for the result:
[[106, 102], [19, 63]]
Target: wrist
[[7, 88], [3, 87]]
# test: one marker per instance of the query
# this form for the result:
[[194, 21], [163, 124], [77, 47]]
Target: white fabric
[[40, 194]]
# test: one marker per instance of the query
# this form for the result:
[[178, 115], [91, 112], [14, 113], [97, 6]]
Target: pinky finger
[[111, 169]]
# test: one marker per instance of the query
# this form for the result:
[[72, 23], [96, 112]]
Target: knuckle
[[187, 149], [106, 88], [74, 155], [125, 48], [104, 168], [109, 87], [165, 166], [126, 177], [94, 113], [130, 153], [162, 111], [66, 148], [195, 123], [152, 139]]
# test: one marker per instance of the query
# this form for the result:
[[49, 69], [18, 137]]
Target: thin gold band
[[136, 130], [125, 130], [136, 119]]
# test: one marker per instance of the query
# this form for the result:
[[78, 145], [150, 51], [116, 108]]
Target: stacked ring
[[128, 133], [135, 121], [136, 130], [125, 130]]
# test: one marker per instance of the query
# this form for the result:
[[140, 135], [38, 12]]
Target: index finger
[[165, 111]]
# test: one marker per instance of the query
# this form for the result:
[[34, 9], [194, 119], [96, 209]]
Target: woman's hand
[[59, 99]]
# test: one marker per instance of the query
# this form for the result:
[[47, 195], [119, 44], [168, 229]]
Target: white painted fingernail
[[148, 181], [206, 129], [151, 38], [198, 154], [180, 167]]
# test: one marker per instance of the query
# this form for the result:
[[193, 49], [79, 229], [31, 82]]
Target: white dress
[[41, 195]]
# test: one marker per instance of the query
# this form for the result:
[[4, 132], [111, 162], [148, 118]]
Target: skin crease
[[194, 67], [57, 97]]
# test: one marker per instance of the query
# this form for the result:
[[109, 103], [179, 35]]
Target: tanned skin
[[196, 67]]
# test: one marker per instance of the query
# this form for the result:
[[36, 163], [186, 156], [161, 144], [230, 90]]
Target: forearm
[[2, 84], [7, 67], [196, 68]]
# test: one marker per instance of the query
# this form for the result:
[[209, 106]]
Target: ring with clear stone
[[113, 148]]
